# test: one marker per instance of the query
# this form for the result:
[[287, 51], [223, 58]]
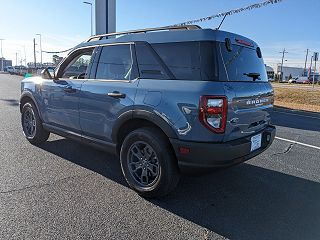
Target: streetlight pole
[[34, 53], [38, 34], [1, 55], [89, 3]]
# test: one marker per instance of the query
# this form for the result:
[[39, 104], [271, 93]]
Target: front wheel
[[32, 125], [148, 163]]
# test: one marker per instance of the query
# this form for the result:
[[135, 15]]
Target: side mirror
[[47, 73]]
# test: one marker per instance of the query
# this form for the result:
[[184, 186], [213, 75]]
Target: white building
[[289, 71]]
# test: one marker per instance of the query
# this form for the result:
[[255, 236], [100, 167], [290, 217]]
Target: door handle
[[69, 89], [116, 94]]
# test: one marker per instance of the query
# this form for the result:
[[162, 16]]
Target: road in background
[[64, 190]]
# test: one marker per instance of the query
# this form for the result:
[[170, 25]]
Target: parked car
[[20, 70], [10, 70], [298, 80], [166, 100], [310, 81]]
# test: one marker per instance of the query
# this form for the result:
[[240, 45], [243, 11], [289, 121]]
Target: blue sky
[[64, 23]]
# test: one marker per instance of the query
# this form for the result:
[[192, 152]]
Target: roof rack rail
[[186, 27]]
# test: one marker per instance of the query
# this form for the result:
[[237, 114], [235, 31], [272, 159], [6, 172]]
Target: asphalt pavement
[[64, 190]]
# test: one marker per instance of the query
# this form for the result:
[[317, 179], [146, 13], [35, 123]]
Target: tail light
[[213, 113]]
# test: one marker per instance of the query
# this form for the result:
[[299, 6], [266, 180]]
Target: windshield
[[241, 64]]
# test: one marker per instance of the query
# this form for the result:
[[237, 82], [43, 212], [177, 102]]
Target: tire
[[148, 163], [32, 124]]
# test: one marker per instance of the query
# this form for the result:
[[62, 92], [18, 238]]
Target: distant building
[[289, 71], [270, 72], [6, 63], [44, 65], [48, 64]]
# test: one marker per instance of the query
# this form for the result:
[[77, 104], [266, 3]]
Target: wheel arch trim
[[137, 114], [28, 94]]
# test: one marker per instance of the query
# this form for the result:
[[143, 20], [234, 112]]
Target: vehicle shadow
[[11, 102], [242, 202], [296, 119]]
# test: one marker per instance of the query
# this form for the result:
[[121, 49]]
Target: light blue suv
[[167, 100]]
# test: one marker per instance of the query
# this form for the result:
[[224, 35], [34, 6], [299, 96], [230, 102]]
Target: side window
[[183, 59], [149, 66], [78, 67], [116, 63]]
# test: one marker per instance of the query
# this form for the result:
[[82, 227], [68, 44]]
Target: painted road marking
[[299, 143]]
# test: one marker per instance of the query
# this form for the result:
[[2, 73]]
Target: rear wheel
[[32, 125], [148, 163]]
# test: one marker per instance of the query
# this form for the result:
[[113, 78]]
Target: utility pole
[[16, 59], [25, 55], [283, 53], [20, 58], [1, 55], [310, 67], [38, 34], [305, 64], [34, 53], [315, 57]]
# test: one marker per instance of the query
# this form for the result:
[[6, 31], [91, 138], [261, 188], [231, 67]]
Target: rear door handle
[[116, 94], [69, 89]]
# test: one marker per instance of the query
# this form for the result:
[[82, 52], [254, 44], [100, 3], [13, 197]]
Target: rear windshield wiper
[[254, 76]]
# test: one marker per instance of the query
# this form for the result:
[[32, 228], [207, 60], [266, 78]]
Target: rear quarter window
[[183, 59], [149, 66]]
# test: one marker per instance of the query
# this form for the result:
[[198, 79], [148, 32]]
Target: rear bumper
[[214, 155]]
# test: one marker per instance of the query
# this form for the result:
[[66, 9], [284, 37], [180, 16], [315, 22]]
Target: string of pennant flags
[[231, 12], [204, 19], [58, 52]]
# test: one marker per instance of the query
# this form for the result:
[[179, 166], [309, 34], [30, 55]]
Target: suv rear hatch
[[250, 95]]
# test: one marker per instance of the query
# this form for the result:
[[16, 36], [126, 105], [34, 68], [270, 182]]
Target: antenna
[[222, 21]]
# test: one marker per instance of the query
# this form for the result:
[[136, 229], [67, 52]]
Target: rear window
[[241, 64]]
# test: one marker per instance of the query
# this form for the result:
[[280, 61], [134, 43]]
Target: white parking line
[[299, 143], [296, 114]]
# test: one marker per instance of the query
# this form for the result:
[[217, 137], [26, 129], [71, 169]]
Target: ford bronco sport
[[166, 100]]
